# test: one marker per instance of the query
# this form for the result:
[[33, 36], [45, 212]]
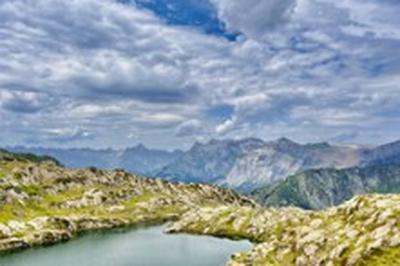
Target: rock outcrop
[[363, 231], [42, 203]]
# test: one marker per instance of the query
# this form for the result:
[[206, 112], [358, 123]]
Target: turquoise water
[[144, 247]]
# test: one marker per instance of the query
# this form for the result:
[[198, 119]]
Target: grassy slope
[[317, 189], [44, 198]]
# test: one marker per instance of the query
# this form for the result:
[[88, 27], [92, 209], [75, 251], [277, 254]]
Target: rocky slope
[[318, 189], [279, 159], [42, 203], [363, 231], [388, 154], [210, 162], [248, 164]]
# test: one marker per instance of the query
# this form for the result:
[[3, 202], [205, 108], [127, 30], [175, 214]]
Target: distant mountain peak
[[141, 147], [221, 142], [217, 141], [319, 145], [285, 140], [284, 144]]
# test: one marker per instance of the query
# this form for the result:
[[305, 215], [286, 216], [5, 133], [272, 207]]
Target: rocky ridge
[[279, 159], [322, 188], [43, 203], [248, 164], [363, 231]]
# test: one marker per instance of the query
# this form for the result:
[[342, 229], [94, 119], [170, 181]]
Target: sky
[[167, 73]]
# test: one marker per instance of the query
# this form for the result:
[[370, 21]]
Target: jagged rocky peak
[[247, 142], [285, 141], [139, 147], [284, 145], [319, 145]]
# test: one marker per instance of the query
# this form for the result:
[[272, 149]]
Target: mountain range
[[137, 159], [321, 188], [43, 203], [244, 165]]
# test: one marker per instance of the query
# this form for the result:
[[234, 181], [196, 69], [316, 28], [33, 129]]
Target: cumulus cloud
[[23, 101], [190, 128], [66, 134], [305, 67], [95, 110], [163, 117], [254, 18], [226, 126]]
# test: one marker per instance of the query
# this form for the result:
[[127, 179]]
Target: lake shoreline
[[133, 244], [65, 236]]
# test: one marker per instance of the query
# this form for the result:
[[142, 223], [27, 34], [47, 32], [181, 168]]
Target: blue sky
[[114, 73]]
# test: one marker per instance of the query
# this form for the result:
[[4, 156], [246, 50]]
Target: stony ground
[[363, 231], [43, 203]]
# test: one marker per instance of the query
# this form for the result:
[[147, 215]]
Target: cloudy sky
[[109, 73]]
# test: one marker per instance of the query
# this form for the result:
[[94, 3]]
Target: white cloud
[[254, 17], [163, 118], [66, 134], [112, 69], [248, 101], [23, 101], [226, 126], [190, 128], [329, 116], [94, 110]]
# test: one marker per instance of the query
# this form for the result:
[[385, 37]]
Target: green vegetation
[[364, 231], [382, 257], [42, 204], [321, 188], [26, 157]]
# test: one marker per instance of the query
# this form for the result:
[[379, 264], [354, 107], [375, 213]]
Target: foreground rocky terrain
[[363, 231], [43, 203]]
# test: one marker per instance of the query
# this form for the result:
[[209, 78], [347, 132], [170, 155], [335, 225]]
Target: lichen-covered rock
[[355, 233], [43, 203]]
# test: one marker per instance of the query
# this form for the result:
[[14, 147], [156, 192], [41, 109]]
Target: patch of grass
[[31, 190], [7, 213], [72, 194], [131, 203], [383, 257]]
